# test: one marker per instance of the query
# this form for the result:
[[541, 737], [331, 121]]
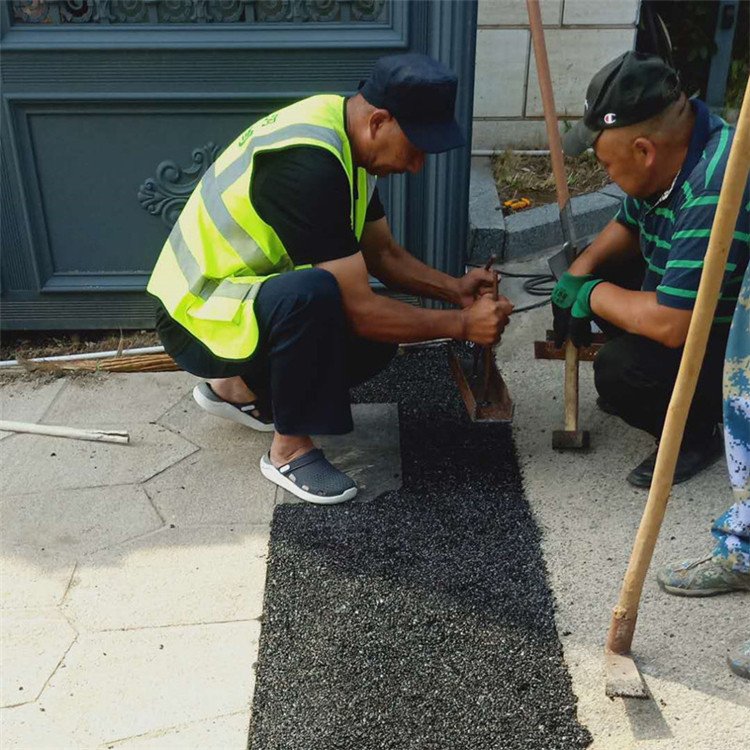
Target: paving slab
[[71, 523], [218, 733], [118, 398], [187, 419], [217, 486], [588, 515], [28, 728], [33, 644], [174, 576], [27, 401], [116, 685], [39, 463], [370, 455], [27, 583]]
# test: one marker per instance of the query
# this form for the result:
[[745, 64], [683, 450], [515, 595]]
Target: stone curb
[[526, 233]]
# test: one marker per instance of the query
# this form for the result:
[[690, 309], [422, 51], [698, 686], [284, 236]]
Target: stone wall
[[581, 36]]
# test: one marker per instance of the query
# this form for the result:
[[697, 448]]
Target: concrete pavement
[[132, 576]]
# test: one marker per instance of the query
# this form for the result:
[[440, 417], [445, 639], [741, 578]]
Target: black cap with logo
[[421, 94], [630, 89]]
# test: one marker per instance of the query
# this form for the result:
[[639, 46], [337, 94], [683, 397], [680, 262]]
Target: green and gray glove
[[563, 296], [580, 314]]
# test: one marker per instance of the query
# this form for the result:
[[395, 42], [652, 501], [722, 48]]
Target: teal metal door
[[112, 109]]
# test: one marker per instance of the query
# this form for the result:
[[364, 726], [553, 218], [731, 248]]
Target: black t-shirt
[[303, 193]]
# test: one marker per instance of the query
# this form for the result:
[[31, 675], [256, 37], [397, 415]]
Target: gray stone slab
[[175, 576], [27, 400], [28, 728], [526, 233], [39, 463], [217, 486], [592, 212], [34, 642], [529, 231], [371, 454], [117, 685], [118, 397], [33, 581], [72, 523], [486, 220], [186, 418]]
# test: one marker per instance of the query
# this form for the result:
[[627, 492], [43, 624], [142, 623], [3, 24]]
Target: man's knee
[[312, 292]]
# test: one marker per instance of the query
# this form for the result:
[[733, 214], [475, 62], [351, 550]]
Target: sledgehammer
[[571, 438]]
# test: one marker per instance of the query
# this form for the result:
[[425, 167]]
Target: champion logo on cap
[[610, 118]]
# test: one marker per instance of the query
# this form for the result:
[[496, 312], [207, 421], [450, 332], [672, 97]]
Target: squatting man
[[263, 282]]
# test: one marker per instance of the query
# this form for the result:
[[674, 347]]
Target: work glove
[[563, 296], [580, 314]]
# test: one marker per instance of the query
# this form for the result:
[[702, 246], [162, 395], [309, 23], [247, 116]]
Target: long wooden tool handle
[[561, 187], [548, 103], [98, 436], [622, 626]]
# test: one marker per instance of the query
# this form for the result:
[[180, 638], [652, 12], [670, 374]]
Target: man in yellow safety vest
[[263, 282]]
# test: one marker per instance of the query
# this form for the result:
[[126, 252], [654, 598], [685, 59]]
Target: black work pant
[[636, 375], [307, 358]]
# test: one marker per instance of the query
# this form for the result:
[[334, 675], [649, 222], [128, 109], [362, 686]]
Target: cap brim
[[578, 139], [434, 137]]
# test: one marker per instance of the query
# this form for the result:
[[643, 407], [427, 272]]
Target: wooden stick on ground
[[623, 677], [98, 436]]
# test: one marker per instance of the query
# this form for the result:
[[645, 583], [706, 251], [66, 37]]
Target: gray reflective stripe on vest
[[371, 181], [240, 241], [186, 261], [242, 163], [211, 189], [198, 284]]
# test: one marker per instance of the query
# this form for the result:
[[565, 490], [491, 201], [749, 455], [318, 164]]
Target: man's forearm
[[401, 271], [640, 313], [615, 240], [380, 318]]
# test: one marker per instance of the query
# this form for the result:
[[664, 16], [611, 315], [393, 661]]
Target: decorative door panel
[[112, 109]]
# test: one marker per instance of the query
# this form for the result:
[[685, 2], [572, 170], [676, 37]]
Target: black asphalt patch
[[422, 620]]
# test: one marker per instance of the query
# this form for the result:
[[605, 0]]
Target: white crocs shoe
[[246, 414]]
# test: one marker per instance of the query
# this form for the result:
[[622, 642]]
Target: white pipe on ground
[[520, 152], [87, 355]]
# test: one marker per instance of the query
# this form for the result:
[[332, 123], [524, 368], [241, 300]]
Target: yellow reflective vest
[[220, 251]]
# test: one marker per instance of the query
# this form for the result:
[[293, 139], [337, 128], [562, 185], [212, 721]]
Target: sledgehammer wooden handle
[[571, 387]]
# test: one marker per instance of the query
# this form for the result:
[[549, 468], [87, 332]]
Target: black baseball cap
[[420, 93], [630, 89]]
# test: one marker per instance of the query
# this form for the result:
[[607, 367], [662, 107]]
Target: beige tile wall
[[581, 36]]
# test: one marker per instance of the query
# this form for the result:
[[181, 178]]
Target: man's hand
[[485, 320], [580, 314], [474, 284], [563, 296]]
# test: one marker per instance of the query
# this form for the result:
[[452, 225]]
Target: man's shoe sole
[[271, 473], [677, 591], [226, 410]]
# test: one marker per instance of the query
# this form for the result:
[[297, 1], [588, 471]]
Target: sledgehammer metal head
[[570, 440]]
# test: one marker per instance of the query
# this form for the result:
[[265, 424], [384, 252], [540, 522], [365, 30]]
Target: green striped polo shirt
[[674, 230]]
